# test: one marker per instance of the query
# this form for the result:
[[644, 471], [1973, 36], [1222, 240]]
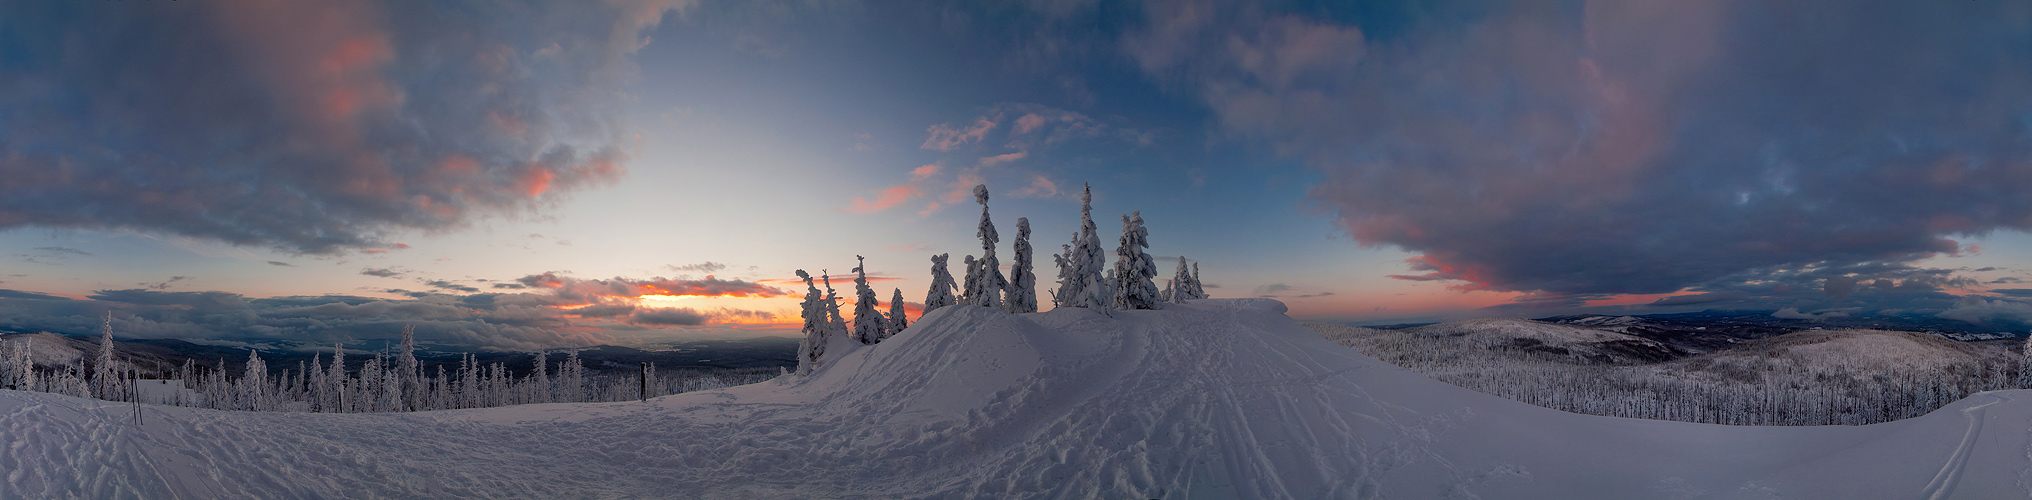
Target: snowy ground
[[1219, 399]]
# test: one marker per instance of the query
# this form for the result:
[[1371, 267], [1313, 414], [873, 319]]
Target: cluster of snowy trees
[[1770, 391], [1085, 280], [385, 382]]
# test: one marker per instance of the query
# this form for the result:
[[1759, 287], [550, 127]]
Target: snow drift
[[1211, 399]]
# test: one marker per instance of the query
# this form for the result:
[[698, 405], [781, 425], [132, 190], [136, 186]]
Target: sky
[[526, 175]]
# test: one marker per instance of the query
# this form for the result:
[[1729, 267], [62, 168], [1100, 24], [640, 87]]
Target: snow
[[1218, 398]]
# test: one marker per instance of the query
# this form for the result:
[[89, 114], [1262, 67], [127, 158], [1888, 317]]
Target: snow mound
[[1211, 399]]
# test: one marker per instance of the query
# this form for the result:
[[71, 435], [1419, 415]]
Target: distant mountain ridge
[[161, 357]]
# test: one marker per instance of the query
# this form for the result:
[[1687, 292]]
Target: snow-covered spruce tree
[[813, 347], [103, 384], [1180, 288], [898, 318], [969, 294], [540, 380], [411, 374], [1198, 288], [251, 391], [574, 374], [336, 376], [1134, 269], [868, 323], [992, 282], [1068, 275], [1022, 290], [942, 287], [834, 323], [1093, 290], [2025, 365]]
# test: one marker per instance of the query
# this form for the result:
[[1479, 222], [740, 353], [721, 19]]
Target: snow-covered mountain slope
[[1874, 350], [1216, 399], [1550, 341]]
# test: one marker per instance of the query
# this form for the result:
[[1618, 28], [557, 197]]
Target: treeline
[[1755, 390], [1084, 281], [386, 382]]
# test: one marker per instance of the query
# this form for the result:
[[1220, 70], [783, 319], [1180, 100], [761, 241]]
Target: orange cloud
[[890, 197]]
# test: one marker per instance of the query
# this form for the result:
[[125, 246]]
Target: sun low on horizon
[[645, 171]]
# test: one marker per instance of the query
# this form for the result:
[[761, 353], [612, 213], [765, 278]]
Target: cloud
[[64, 250], [384, 273], [947, 137], [1980, 310], [311, 127], [1648, 147], [669, 317], [280, 263], [587, 291], [891, 196], [164, 285], [447, 285], [1271, 290], [702, 267], [2006, 279], [1701, 298], [2013, 292]]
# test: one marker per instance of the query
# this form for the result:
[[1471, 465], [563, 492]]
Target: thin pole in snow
[[645, 381]]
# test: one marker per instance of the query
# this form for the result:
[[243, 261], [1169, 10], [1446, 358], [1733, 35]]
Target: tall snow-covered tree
[[1180, 288], [989, 293], [970, 293], [834, 323], [1022, 290], [813, 347], [868, 322], [337, 377], [103, 374], [540, 380], [409, 374], [1081, 283], [942, 286], [1067, 275], [253, 386], [1198, 287], [574, 374], [1134, 269], [898, 318]]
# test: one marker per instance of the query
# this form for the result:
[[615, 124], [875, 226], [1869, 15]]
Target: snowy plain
[[1219, 398]]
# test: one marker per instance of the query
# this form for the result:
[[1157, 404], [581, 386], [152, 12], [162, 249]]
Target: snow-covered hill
[[1567, 343], [1216, 399]]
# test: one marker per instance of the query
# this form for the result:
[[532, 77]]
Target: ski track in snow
[[1215, 399]]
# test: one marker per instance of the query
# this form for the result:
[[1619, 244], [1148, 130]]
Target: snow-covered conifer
[[813, 347], [970, 293], [103, 383], [540, 379], [252, 391], [1133, 268], [834, 322], [868, 323], [1068, 274], [898, 318], [1179, 287], [575, 378], [942, 286], [1022, 290], [336, 376], [410, 374], [1083, 285], [1198, 288], [989, 293]]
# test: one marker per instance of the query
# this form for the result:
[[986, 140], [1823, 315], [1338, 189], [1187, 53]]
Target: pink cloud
[[890, 197]]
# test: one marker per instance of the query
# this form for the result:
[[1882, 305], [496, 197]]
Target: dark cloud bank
[[1765, 154], [313, 127]]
